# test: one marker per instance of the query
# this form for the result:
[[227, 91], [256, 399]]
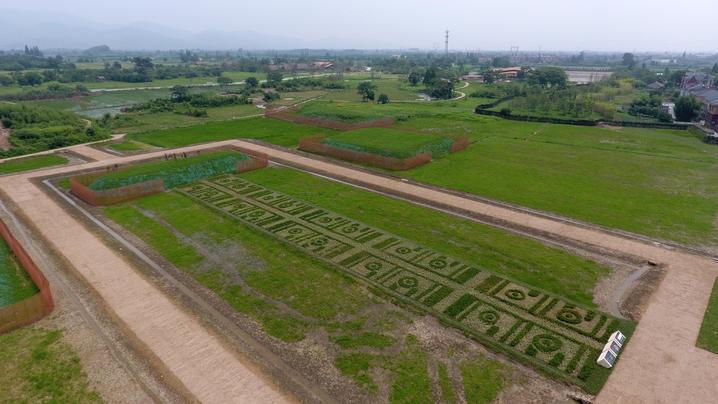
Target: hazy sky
[[571, 25]]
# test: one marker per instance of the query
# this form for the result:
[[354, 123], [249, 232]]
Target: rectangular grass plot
[[525, 321]]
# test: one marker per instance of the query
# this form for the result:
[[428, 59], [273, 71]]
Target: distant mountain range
[[53, 31]]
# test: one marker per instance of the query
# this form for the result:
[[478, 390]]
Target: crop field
[[31, 163], [549, 332], [708, 337], [390, 142], [15, 283]]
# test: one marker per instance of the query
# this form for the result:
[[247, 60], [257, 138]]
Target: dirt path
[[660, 364], [4, 138], [92, 153]]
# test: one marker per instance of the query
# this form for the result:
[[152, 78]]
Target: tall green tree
[[251, 82], [179, 93], [224, 81], [687, 108], [366, 90], [274, 77], [143, 65], [629, 60], [430, 76], [414, 78], [442, 89]]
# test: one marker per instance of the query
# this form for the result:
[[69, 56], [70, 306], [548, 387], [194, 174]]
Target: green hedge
[[484, 110], [173, 172]]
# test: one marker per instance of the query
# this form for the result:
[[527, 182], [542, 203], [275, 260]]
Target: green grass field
[[37, 366], [517, 257], [392, 86], [248, 269], [445, 286], [130, 146], [15, 283], [389, 142], [653, 182], [708, 336], [269, 130], [659, 183], [31, 163]]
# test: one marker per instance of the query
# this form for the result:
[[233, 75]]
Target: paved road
[[660, 365]]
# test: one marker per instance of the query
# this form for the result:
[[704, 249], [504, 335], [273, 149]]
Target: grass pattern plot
[[545, 331]]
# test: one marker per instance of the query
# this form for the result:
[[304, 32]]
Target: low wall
[[460, 143], [313, 144], [289, 115], [79, 185], [33, 308]]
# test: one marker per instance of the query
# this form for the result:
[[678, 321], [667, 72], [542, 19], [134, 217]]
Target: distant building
[[655, 86], [700, 85], [694, 81], [669, 108], [473, 76], [314, 66], [709, 98], [507, 72]]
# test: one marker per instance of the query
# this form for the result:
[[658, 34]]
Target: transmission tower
[[446, 43]]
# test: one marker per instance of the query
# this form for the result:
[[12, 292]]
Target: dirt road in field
[[660, 365]]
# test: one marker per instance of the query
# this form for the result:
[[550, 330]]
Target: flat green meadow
[[31, 163]]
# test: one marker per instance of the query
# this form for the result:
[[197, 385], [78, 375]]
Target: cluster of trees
[[687, 108], [143, 70], [439, 83], [181, 101], [332, 82], [570, 102], [36, 129], [515, 89], [53, 91], [649, 106], [367, 90], [547, 77], [31, 58]]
